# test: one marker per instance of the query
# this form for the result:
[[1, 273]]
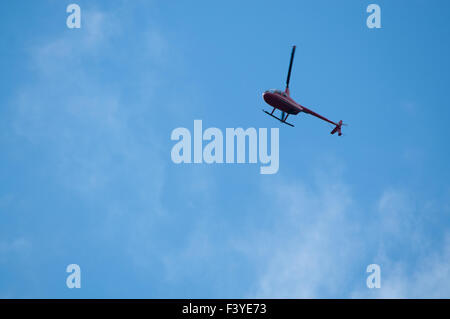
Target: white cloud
[[322, 240], [428, 277], [10, 249], [310, 245], [80, 120], [77, 116], [415, 261]]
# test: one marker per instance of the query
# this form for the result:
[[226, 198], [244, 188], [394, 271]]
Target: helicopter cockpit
[[277, 92]]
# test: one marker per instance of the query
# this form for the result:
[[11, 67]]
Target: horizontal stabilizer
[[337, 129]]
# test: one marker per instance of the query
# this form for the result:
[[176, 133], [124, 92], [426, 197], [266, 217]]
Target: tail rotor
[[338, 128]]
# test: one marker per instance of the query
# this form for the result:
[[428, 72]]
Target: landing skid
[[278, 118]]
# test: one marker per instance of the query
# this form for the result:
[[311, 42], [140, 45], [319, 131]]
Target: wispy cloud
[[323, 239], [311, 243], [86, 125], [10, 249]]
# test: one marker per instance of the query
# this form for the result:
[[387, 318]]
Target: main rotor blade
[[290, 67]]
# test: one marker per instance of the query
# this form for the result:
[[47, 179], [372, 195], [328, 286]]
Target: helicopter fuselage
[[282, 101]]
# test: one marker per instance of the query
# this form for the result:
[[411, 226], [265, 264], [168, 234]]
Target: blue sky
[[86, 175]]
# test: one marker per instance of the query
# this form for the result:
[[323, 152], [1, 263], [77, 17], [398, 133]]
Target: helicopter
[[282, 100]]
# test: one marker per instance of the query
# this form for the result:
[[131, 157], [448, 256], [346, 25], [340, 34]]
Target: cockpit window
[[277, 91]]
